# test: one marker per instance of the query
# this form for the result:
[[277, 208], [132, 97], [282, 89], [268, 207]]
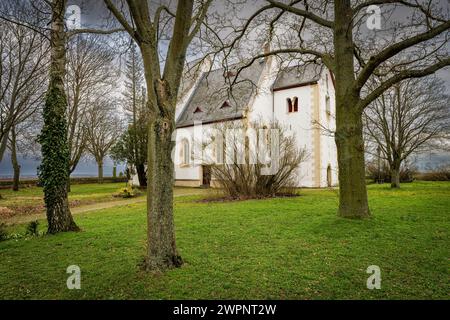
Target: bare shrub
[[383, 174], [438, 174], [245, 165]]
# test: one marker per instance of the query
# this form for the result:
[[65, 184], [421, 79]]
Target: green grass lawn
[[78, 192], [30, 201], [286, 248]]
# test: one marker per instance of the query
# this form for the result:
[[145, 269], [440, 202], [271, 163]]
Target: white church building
[[299, 98]]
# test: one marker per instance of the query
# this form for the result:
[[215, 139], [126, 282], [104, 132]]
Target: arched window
[[292, 104], [329, 178], [295, 104], [289, 104], [185, 152]]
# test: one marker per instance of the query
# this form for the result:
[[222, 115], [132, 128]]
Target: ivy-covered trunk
[[53, 171]]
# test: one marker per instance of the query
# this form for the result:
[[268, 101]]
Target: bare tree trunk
[[15, 163], [54, 172], [395, 175], [100, 171], [161, 248], [350, 145], [3, 145], [162, 90], [349, 138]]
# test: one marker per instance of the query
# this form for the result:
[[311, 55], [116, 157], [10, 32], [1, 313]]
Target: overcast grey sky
[[95, 13]]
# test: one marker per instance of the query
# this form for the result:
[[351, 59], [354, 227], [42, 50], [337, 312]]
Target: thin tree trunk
[[349, 138], [100, 171], [140, 170], [3, 144], [54, 172], [15, 163]]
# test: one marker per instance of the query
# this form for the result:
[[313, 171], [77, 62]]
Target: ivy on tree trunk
[[53, 171]]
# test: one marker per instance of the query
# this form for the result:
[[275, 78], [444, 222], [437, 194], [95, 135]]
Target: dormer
[[198, 110]]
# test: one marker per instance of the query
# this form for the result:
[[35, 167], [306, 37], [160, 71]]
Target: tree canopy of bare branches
[[90, 73], [23, 67], [405, 119], [101, 131]]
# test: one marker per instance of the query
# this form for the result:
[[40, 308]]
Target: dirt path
[[84, 209]]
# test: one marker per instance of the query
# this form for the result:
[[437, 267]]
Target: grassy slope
[[279, 248]]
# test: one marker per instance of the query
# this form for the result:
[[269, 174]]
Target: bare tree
[[53, 170], [22, 76], [14, 161], [101, 129], [414, 35], [147, 22], [405, 118], [90, 72], [23, 141], [134, 103]]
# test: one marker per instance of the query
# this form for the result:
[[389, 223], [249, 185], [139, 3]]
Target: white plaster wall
[[328, 152], [193, 171], [298, 124], [183, 172], [261, 106]]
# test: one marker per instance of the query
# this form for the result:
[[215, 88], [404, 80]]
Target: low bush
[[127, 192], [32, 229], [438, 174], [384, 174]]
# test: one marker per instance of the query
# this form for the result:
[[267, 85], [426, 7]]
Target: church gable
[[212, 96]]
